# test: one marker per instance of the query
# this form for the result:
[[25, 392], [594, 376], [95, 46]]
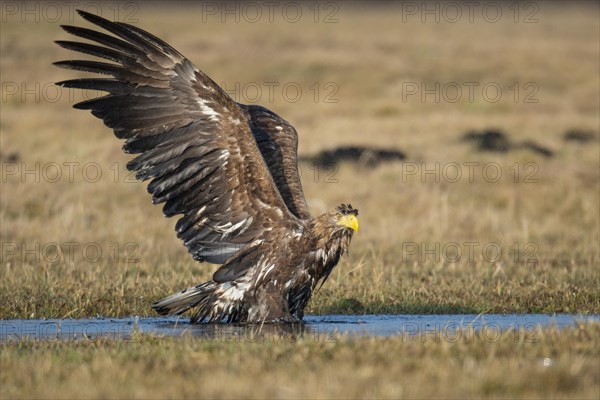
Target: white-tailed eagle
[[229, 169]]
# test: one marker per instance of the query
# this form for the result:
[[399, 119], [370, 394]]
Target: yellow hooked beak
[[349, 221]]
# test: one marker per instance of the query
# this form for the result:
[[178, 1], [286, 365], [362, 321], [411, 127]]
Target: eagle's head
[[346, 218], [336, 226]]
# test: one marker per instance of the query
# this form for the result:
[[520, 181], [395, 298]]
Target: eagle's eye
[[349, 221]]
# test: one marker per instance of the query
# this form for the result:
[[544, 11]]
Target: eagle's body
[[270, 290], [230, 169]]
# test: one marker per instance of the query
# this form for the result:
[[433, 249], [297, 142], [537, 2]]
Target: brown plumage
[[229, 169]]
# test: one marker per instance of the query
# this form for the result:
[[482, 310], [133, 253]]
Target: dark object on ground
[[576, 135], [10, 157], [497, 141], [533, 146], [370, 157], [490, 140]]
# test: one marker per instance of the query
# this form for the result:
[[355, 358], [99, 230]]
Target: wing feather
[[194, 142], [278, 143]]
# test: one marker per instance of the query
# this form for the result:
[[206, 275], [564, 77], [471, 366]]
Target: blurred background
[[466, 135]]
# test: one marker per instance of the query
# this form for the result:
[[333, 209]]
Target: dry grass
[[547, 230], [369, 55], [553, 364]]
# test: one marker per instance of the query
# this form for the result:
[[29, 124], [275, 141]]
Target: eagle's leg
[[270, 306]]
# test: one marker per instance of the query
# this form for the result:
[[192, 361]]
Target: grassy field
[[550, 365], [515, 232]]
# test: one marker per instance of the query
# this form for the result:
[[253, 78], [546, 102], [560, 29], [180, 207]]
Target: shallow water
[[321, 327]]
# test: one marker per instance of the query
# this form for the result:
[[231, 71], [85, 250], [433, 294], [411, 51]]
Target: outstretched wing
[[194, 141], [278, 143]]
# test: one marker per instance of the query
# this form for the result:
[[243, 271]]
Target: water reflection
[[242, 332], [318, 328]]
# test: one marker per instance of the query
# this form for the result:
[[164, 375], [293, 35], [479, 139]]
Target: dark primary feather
[[278, 143], [194, 143]]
